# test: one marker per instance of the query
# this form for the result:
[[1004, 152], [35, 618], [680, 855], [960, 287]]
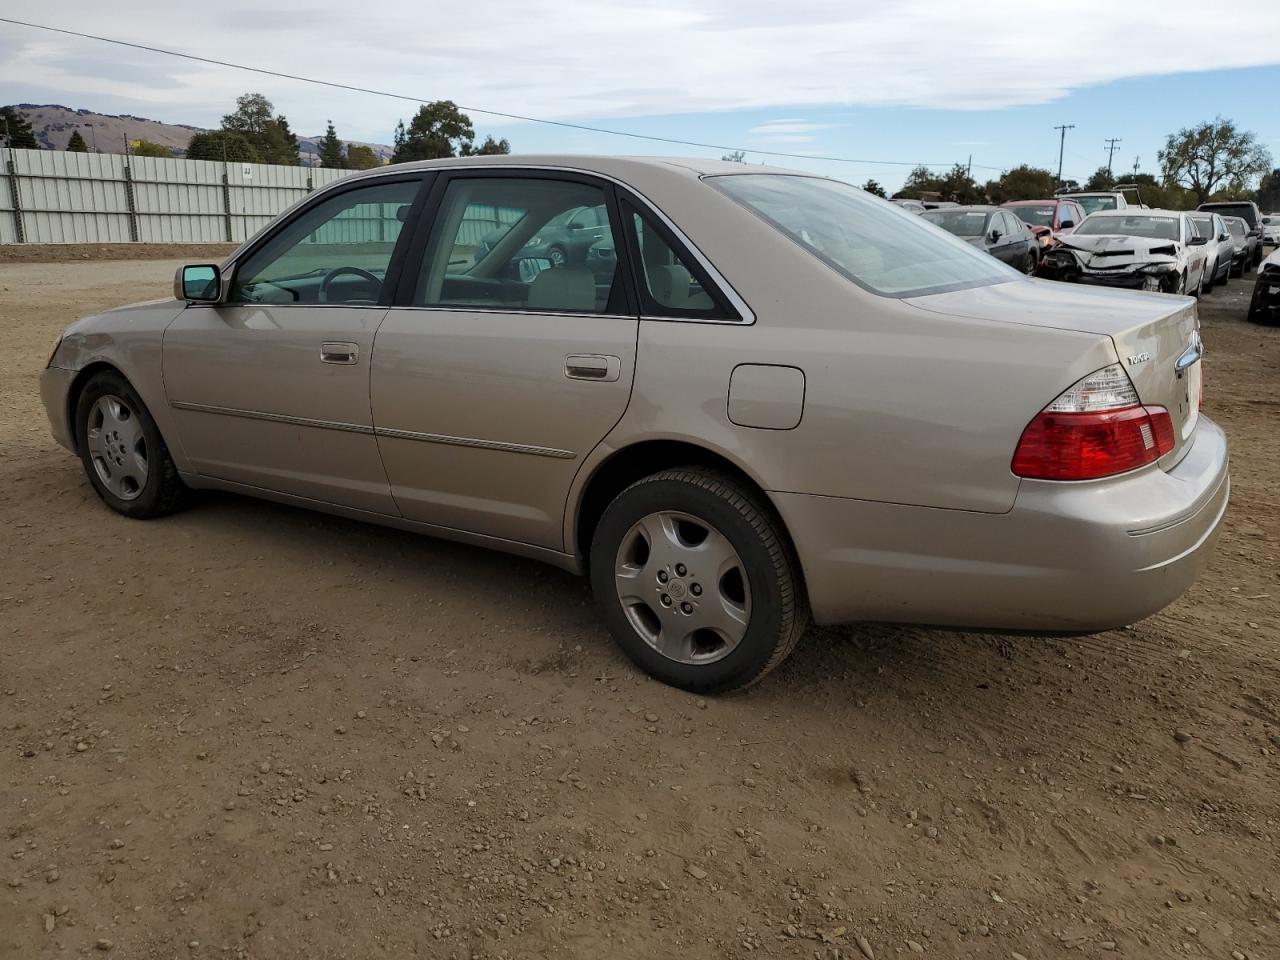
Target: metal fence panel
[[109, 198]]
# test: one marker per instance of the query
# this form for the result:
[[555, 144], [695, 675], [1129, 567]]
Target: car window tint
[[886, 251], [520, 244], [334, 252], [671, 284]]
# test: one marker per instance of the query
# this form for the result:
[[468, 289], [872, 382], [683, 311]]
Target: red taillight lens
[[1086, 446]]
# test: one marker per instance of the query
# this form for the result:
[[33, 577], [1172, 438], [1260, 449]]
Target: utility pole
[[969, 170], [1136, 161], [1062, 146], [1111, 149]]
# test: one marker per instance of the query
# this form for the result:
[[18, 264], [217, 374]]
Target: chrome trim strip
[[552, 452], [272, 417]]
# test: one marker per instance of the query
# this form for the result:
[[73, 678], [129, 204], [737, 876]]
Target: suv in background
[[1247, 211], [1271, 229]]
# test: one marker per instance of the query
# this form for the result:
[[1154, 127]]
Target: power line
[[492, 113]]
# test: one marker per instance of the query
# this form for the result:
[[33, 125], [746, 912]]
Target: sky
[[914, 81]]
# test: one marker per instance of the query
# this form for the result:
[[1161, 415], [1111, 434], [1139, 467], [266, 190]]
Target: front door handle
[[592, 366], [346, 353]]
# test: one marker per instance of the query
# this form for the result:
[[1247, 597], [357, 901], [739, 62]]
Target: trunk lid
[[1156, 336]]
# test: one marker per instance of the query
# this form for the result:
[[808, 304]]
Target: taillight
[[1096, 428]]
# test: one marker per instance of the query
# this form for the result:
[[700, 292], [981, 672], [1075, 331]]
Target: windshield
[[1242, 210], [877, 245], [1094, 204], [963, 223], [1237, 227], [1036, 216], [1154, 228]]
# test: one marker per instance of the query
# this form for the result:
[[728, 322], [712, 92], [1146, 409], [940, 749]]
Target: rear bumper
[[1069, 557], [55, 387]]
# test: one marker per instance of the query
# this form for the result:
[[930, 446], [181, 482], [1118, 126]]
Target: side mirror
[[198, 283], [1066, 225], [1223, 236], [528, 268], [1197, 241], [995, 236]]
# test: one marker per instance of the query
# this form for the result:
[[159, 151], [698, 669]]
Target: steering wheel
[[323, 294]]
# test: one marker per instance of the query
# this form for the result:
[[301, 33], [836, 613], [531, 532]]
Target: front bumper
[[1067, 558], [55, 389], [1265, 305]]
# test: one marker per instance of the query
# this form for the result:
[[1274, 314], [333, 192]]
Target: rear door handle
[[592, 366], [347, 353]]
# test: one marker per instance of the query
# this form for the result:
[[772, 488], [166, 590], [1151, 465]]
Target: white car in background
[[1135, 249], [1271, 229], [1220, 249]]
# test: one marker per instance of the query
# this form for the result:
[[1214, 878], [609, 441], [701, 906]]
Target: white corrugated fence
[[49, 196]]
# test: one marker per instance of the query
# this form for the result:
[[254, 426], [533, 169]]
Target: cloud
[[577, 60]]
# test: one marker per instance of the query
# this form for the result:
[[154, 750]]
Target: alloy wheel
[[683, 587]]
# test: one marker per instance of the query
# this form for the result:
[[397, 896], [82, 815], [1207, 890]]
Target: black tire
[[1208, 278], [778, 612], [1030, 263], [163, 490], [558, 256]]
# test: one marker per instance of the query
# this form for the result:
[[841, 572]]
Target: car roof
[[590, 163], [984, 207], [1030, 203], [1141, 212]]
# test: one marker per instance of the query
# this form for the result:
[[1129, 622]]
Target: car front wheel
[[697, 580], [123, 453]]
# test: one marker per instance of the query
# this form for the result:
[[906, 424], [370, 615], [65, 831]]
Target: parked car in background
[[1265, 305], [915, 206], [1219, 248], [939, 204], [1242, 249], [1137, 249], [1095, 201], [564, 240], [996, 231], [1271, 229], [1247, 211], [1028, 457], [1059, 216]]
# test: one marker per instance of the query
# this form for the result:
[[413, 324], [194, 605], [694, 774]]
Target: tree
[[1101, 180], [490, 147], [16, 130], [438, 129], [736, 157], [1268, 196], [955, 185], [265, 131], [76, 143], [331, 149], [147, 148], [1023, 182], [360, 157], [220, 145], [1213, 156], [874, 188]]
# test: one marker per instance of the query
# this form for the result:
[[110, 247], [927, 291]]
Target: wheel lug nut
[[666, 600], [663, 576], [686, 608], [681, 570], [696, 589]]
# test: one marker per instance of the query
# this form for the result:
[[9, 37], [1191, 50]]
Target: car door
[[1007, 248], [496, 374], [270, 388]]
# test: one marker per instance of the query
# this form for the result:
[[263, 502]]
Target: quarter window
[[512, 243], [671, 283], [337, 251]]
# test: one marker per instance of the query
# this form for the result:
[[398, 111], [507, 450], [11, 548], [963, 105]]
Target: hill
[[53, 125]]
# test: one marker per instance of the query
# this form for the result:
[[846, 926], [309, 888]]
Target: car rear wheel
[[124, 456], [697, 580], [557, 256]]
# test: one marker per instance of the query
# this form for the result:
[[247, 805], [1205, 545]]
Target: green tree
[[1101, 180], [874, 188], [266, 132], [736, 157], [955, 185], [490, 147], [1213, 156], [16, 131], [360, 157], [1268, 196], [76, 143], [331, 149], [280, 144], [148, 148], [220, 145], [438, 129], [1021, 183]]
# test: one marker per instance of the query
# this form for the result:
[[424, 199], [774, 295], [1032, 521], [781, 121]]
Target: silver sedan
[[764, 398]]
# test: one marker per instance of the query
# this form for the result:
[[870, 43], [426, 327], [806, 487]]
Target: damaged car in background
[[1158, 250], [1265, 306]]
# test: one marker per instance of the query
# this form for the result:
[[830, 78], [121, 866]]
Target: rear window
[[1094, 204], [1036, 216], [877, 245], [1245, 211], [963, 223]]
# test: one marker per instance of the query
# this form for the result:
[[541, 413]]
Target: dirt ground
[[252, 731]]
